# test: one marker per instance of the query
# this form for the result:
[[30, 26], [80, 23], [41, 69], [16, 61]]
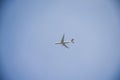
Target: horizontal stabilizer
[[72, 40]]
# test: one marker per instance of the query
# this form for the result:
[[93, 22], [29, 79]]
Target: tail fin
[[72, 40]]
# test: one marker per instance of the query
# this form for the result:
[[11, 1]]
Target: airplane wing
[[62, 40], [65, 46]]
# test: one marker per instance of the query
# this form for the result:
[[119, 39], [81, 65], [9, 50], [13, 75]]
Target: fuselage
[[62, 42]]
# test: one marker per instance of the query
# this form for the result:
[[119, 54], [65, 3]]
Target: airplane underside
[[64, 43]]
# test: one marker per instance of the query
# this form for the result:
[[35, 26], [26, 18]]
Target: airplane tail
[[72, 40]]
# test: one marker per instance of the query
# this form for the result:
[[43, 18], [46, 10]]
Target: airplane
[[65, 42]]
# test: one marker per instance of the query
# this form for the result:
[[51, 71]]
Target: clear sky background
[[30, 29]]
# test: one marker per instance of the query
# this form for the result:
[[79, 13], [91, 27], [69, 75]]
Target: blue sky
[[30, 29]]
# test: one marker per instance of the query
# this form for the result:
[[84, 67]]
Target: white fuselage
[[62, 42]]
